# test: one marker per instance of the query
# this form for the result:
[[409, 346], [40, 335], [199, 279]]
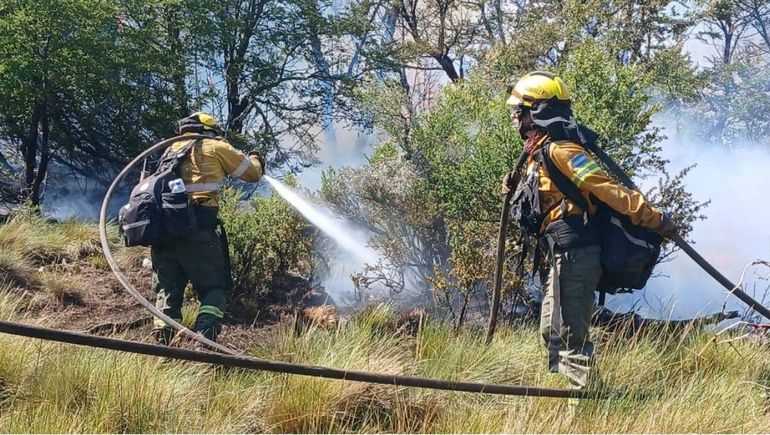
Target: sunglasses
[[518, 111]]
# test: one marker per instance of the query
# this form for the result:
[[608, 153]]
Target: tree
[[74, 86], [737, 89], [432, 201]]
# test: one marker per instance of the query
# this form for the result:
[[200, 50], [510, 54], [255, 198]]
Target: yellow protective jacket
[[208, 163], [577, 165]]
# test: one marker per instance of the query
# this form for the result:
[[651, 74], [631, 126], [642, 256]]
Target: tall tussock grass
[[691, 381], [43, 242]]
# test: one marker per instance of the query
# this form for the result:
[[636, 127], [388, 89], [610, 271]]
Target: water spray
[[333, 228]]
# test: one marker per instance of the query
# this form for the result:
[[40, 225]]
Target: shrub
[[267, 238]]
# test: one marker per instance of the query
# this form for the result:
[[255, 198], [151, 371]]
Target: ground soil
[[104, 307]]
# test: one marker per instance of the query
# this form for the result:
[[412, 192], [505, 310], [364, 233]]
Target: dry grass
[[693, 382], [65, 288], [660, 382], [324, 316], [131, 258], [15, 270], [42, 242]]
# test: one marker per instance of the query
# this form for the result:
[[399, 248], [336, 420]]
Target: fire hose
[[229, 357], [284, 367], [626, 181], [501, 235], [114, 265]]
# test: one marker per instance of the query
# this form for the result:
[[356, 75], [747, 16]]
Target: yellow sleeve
[[574, 162], [236, 163]]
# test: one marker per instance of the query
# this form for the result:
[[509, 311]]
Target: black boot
[[208, 325]]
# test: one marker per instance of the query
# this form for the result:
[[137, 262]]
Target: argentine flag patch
[[582, 167]]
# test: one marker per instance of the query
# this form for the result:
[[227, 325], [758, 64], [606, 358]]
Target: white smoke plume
[[736, 231]]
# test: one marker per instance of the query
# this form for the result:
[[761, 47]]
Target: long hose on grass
[[290, 368], [114, 265]]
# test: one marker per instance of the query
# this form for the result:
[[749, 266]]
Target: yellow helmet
[[536, 87], [199, 122]]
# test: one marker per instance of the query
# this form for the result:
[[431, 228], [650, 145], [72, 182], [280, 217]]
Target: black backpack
[[629, 252], [154, 214]]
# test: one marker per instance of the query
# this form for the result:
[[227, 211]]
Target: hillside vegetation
[[690, 381]]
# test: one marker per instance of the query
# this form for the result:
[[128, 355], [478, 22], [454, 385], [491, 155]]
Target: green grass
[[39, 242]]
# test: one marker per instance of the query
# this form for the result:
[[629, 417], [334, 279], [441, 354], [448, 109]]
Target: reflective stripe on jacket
[[210, 160], [575, 163]]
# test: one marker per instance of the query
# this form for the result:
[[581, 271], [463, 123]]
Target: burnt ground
[[104, 307]]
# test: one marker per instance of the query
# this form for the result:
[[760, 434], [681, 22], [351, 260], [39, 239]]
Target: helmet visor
[[513, 100]]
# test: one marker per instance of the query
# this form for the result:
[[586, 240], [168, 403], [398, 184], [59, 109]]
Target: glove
[[259, 157], [510, 181], [667, 227]]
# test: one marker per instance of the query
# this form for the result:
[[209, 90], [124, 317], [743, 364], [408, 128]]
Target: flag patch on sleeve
[[582, 167]]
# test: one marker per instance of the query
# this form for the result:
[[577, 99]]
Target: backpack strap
[[182, 153], [564, 184], [616, 170], [172, 159]]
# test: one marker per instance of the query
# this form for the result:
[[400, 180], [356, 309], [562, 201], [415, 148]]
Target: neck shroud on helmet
[[200, 122], [549, 102]]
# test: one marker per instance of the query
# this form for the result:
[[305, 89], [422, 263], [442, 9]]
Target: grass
[[42, 242], [15, 270], [696, 382], [692, 381], [66, 288]]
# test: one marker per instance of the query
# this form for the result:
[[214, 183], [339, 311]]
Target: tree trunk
[[45, 153], [448, 66], [30, 145]]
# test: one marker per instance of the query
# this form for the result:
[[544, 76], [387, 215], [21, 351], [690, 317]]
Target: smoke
[[343, 146], [71, 196], [735, 232]]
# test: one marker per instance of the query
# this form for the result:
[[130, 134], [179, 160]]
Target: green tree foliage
[[74, 83], [88, 83], [731, 108], [438, 186]]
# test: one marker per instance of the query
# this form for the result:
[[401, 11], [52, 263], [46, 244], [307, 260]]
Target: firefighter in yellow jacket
[[201, 258], [540, 105]]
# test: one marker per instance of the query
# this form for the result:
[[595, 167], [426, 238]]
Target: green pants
[[568, 300], [199, 259]]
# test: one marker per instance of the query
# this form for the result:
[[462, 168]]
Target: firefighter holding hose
[[200, 257], [540, 108]]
